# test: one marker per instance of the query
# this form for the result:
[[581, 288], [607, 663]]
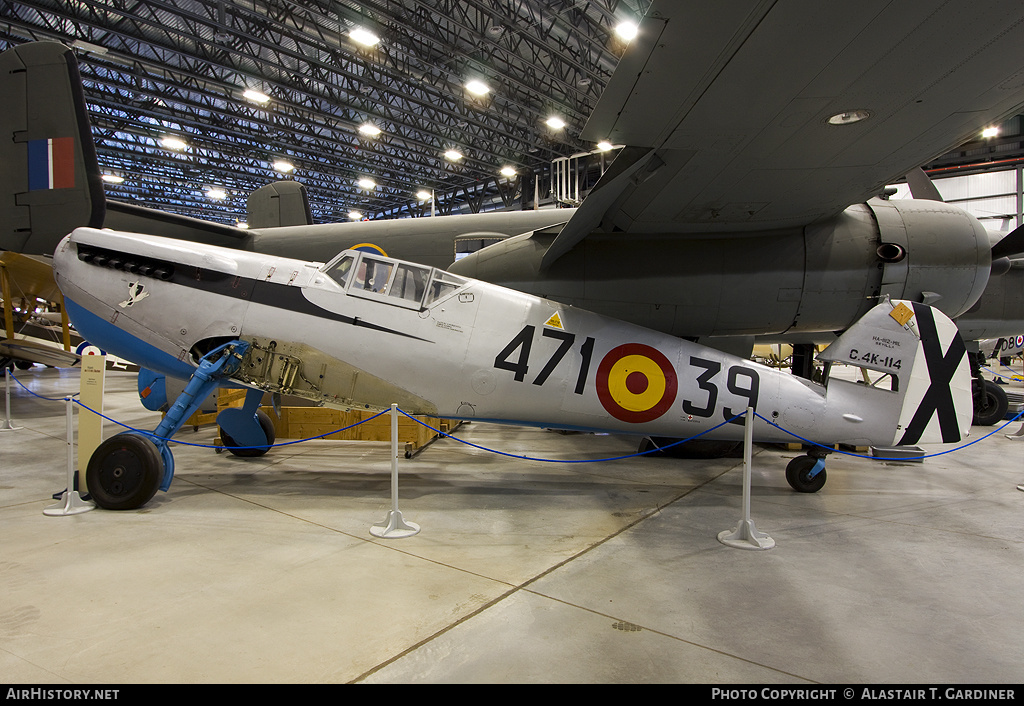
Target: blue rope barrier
[[214, 446], [43, 397], [1015, 376], [582, 460], [879, 458], [533, 458]]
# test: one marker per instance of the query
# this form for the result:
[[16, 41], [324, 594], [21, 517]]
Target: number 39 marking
[[711, 368]]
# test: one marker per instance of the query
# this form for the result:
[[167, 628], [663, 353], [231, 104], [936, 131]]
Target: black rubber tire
[[124, 472], [266, 423], [797, 475], [990, 403]]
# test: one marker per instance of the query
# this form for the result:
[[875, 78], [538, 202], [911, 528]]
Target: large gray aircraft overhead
[[757, 137]]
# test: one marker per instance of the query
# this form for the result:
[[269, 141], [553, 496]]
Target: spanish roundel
[[636, 383]]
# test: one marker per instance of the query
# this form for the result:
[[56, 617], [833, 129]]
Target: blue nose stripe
[[110, 338]]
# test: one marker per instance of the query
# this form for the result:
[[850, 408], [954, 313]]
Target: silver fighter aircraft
[[365, 331]]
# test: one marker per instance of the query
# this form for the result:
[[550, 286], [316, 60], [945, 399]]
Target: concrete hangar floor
[[264, 570]]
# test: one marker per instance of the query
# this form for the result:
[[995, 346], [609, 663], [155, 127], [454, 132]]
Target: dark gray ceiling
[[182, 66], [155, 67]]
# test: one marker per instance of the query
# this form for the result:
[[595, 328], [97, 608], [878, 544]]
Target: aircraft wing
[[37, 352], [732, 102], [30, 276]]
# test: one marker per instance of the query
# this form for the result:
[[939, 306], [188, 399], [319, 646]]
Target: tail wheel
[[266, 424], [124, 472], [798, 474], [990, 403]]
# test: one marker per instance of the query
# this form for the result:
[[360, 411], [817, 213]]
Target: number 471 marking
[[523, 342]]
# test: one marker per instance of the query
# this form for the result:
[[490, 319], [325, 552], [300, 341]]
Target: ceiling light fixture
[[453, 155], [477, 87], [215, 193], [604, 145], [369, 129], [990, 132], [367, 183], [283, 166], [354, 215], [626, 30], [424, 195], [555, 122], [848, 117], [173, 143], [363, 36], [508, 171], [112, 178], [255, 96], [88, 47]]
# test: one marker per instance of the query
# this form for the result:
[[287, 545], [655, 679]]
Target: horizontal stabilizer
[[132, 218], [1012, 246]]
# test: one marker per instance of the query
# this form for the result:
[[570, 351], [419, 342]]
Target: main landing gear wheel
[[990, 403], [124, 472], [266, 424], [798, 474]]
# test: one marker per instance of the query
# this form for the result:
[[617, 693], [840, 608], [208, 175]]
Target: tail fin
[[50, 170], [922, 349], [282, 203]]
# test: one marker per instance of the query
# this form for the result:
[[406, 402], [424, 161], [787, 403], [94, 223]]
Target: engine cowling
[[802, 280]]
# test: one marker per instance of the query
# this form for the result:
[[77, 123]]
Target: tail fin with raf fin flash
[[50, 168], [51, 180], [921, 348]]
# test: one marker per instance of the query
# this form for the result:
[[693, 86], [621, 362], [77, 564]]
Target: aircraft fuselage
[[365, 331]]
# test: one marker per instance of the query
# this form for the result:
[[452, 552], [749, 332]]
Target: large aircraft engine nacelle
[[820, 278], [933, 253], [923, 251]]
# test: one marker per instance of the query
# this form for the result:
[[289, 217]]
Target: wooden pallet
[[305, 422]]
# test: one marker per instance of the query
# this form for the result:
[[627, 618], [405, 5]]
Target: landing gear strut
[[806, 474], [990, 403], [126, 470]]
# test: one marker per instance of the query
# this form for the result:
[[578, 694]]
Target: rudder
[[922, 348]]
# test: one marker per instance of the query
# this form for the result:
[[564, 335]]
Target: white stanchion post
[[71, 501], [745, 534], [395, 527], [8, 425]]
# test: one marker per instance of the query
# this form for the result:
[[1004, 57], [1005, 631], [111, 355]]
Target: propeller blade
[[1011, 246]]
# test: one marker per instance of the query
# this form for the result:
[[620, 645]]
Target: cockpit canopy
[[400, 283]]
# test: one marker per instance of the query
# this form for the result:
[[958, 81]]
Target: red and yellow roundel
[[636, 383]]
